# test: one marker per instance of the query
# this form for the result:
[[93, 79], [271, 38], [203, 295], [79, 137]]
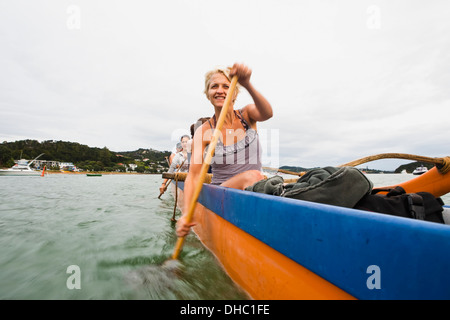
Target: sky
[[346, 78]]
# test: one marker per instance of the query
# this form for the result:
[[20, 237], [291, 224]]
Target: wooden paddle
[[207, 162], [167, 182], [176, 193], [165, 188]]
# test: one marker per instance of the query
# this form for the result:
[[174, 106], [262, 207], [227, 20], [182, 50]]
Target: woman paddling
[[179, 162], [237, 158]]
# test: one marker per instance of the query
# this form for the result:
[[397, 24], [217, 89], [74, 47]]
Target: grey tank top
[[231, 160]]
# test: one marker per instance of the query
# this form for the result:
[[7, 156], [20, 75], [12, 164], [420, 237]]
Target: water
[[112, 228]]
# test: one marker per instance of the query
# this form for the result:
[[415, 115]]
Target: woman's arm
[[176, 162], [261, 110]]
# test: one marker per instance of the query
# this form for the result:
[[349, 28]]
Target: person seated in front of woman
[[237, 158], [179, 162]]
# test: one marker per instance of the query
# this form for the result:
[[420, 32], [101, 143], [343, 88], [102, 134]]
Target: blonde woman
[[237, 158]]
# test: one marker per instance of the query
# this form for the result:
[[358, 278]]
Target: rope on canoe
[[445, 167], [442, 164]]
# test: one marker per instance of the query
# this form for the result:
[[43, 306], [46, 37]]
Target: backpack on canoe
[[349, 187], [420, 205], [342, 187]]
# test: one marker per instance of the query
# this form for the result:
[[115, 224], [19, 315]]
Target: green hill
[[294, 169], [82, 156], [102, 159], [409, 167]]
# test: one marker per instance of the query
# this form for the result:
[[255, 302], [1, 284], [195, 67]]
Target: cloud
[[345, 79]]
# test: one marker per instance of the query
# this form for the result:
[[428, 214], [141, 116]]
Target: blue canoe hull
[[367, 255]]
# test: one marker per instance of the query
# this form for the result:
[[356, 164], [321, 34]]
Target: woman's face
[[218, 89], [184, 142]]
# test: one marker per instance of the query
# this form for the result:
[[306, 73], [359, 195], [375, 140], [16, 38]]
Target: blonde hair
[[225, 71]]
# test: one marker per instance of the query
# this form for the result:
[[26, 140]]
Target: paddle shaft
[[176, 193], [207, 162], [165, 187]]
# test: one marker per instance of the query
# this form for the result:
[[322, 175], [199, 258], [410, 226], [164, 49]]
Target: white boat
[[21, 168], [420, 170]]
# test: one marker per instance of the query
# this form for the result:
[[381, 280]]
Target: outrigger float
[[280, 248]]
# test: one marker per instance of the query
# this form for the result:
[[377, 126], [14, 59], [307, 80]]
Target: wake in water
[[158, 281]]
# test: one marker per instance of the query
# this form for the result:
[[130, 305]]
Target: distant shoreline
[[101, 172]]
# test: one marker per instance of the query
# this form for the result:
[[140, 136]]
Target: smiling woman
[[237, 156]]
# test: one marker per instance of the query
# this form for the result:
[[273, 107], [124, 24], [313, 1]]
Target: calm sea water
[[112, 228], [112, 232]]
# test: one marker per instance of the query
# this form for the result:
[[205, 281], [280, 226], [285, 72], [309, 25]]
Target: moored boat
[[21, 168], [420, 170], [280, 248]]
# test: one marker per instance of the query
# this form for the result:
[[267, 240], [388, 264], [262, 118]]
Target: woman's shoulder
[[245, 114], [178, 156], [204, 131]]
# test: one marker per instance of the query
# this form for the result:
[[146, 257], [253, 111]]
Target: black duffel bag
[[420, 205], [342, 187]]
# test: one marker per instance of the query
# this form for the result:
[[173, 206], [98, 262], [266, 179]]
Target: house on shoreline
[[66, 166]]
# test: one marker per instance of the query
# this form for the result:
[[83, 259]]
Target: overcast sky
[[346, 79]]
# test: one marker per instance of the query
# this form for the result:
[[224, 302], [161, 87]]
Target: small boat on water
[[277, 248], [21, 168], [93, 174], [420, 170]]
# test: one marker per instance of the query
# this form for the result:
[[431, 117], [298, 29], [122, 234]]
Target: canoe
[[93, 174], [279, 248]]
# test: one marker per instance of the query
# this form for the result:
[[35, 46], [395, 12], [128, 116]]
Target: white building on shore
[[69, 166]]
